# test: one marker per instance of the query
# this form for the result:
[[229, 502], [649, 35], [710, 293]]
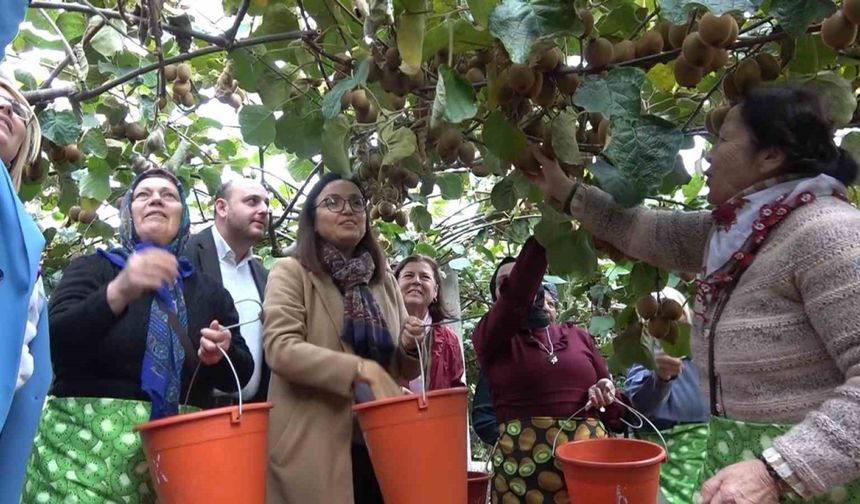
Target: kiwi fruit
[[687, 75], [747, 75], [87, 216], [837, 32], [721, 59], [671, 309], [650, 43], [475, 75], [598, 52], [346, 100], [734, 34], [658, 328], [647, 307], [448, 157], [449, 142], [527, 163], [170, 73], [663, 28], [715, 30], [187, 100], [73, 154], [546, 96], [769, 66], [387, 210], [534, 91], [567, 83], [392, 58], [74, 213], [34, 171], [359, 101], [390, 80], [677, 33], [480, 170], [623, 51], [549, 60], [374, 212], [466, 152], [587, 19], [367, 116], [181, 88], [397, 102], [135, 132], [521, 78], [696, 51], [714, 119], [416, 81], [401, 219], [851, 11], [602, 131], [183, 72]]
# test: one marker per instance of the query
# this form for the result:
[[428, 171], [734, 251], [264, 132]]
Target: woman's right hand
[[381, 383], [144, 271], [551, 179]]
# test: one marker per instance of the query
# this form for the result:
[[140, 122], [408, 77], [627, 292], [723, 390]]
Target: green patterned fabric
[[679, 474], [732, 441], [85, 452]]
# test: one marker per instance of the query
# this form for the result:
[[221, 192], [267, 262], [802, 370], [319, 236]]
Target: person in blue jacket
[[669, 397], [25, 360], [13, 13]]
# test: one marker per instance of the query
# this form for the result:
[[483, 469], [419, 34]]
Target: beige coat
[[311, 425]]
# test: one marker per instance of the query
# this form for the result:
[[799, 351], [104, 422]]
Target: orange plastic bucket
[[418, 448], [611, 470], [213, 456], [478, 484]]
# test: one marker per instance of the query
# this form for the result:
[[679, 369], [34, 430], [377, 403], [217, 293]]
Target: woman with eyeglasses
[[130, 327], [334, 321], [25, 360]]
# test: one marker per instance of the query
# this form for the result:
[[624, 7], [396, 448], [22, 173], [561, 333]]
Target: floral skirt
[[86, 452], [732, 441], [525, 470]]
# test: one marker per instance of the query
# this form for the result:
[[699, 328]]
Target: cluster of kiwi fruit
[[388, 186], [76, 214], [703, 47], [180, 76], [386, 202], [227, 89], [601, 52], [840, 29], [365, 110], [662, 316], [750, 73]]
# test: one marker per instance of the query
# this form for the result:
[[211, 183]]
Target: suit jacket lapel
[[209, 260], [260, 276]]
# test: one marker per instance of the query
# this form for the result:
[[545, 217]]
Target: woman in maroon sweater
[[539, 374]]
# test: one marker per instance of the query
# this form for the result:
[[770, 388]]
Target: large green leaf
[[62, 127], [645, 279], [503, 196], [257, 123], [108, 41], [279, 18], [502, 138], [564, 143], [334, 139], [481, 10], [678, 11], [681, 347], [601, 325], [421, 218], [300, 169], [401, 143], [633, 347], [298, 133], [93, 143], [246, 69], [455, 98], [466, 37], [95, 183], [520, 23], [837, 94], [619, 93], [331, 102], [810, 55], [274, 89], [796, 15], [212, 178], [72, 24], [451, 186], [411, 25], [572, 254], [621, 21], [613, 181]]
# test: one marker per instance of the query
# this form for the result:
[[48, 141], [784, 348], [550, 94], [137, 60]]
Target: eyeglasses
[[18, 108], [337, 204]]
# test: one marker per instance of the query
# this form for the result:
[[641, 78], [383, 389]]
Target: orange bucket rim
[[189, 417], [409, 397], [661, 457]]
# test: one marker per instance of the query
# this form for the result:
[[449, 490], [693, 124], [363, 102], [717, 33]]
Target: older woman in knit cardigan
[[778, 304]]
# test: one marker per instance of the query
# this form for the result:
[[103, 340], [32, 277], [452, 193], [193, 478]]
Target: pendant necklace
[[550, 352]]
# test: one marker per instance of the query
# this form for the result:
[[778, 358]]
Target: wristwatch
[[790, 486]]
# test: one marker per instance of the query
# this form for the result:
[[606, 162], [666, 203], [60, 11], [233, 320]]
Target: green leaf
[[455, 98], [212, 178], [613, 181], [331, 101], [246, 69], [421, 218], [678, 177], [617, 94], [257, 124], [677, 11], [481, 10], [300, 169], [274, 90], [334, 139], [93, 143], [278, 18], [60, 127], [645, 279], [662, 77], [401, 143], [503, 138], [425, 249], [95, 183], [837, 94], [694, 187], [810, 55], [107, 42], [26, 79], [601, 325], [502, 196], [851, 143], [681, 347], [411, 24], [621, 20], [564, 138], [72, 24], [572, 254], [460, 263], [633, 347], [795, 16], [520, 23], [466, 37], [451, 186], [300, 134]]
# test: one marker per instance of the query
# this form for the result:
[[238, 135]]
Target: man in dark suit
[[224, 252]]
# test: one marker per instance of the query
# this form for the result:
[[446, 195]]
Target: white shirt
[[239, 282], [34, 309]]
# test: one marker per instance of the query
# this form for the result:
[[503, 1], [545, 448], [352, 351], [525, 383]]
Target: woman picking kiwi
[[548, 382], [777, 307]]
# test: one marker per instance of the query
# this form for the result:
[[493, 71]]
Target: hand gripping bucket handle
[[236, 416]]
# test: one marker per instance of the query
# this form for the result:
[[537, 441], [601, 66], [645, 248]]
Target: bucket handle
[[236, 417], [422, 402], [641, 417]]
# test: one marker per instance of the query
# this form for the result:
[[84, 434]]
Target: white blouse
[[37, 301]]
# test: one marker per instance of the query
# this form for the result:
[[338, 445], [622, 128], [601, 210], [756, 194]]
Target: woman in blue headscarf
[[25, 361], [130, 326]]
